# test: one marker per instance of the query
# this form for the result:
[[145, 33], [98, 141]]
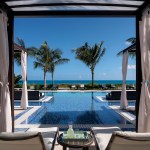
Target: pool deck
[[44, 99], [124, 113]]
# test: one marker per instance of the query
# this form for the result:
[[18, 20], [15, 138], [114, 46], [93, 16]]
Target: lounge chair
[[28, 140], [32, 87], [112, 86], [131, 86], [73, 87], [115, 95], [82, 86], [104, 87], [55, 87], [111, 138], [32, 95], [48, 134]]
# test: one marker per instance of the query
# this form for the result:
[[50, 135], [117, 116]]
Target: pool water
[[75, 107]]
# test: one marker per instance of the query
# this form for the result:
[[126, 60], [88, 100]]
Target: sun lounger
[[103, 87], [48, 134], [21, 141], [131, 86], [102, 136], [115, 95], [82, 86], [32, 95], [55, 87], [29, 140], [111, 138], [112, 86], [73, 87]]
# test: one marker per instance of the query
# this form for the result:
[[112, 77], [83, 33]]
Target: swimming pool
[[75, 107]]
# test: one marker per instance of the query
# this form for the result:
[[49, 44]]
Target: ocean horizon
[[79, 81]]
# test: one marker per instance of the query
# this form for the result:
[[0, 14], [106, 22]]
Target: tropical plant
[[131, 49], [55, 59], [43, 59], [30, 51], [17, 78], [90, 56]]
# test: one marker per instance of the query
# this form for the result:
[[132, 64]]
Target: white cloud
[[132, 67]]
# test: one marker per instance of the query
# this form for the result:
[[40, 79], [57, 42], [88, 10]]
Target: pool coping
[[125, 114], [75, 126], [44, 99], [27, 114]]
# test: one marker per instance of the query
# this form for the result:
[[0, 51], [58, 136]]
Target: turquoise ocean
[[80, 81]]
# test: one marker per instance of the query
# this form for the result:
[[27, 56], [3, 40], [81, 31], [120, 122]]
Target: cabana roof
[[124, 7], [18, 48]]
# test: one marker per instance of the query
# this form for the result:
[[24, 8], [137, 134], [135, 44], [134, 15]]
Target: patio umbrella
[[144, 107], [5, 109], [123, 100], [24, 98]]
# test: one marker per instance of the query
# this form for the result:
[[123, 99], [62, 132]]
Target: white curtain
[[144, 107], [123, 100], [24, 98], [5, 110]]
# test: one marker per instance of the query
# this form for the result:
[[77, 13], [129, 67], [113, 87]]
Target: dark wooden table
[[75, 143]]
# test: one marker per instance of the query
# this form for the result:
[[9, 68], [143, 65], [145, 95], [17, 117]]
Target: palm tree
[[55, 59], [17, 78], [131, 49], [43, 59], [90, 56], [30, 51]]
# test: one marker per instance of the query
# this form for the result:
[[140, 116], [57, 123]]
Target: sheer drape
[[5, 110], [144, 108], [123, 100], [24, 98]]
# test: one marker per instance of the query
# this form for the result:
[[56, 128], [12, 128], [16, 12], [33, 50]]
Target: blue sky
[[69, 33]]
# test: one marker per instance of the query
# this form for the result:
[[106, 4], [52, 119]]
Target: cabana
[[74, 8]]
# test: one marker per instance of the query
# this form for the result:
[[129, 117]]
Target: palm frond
[[17, 78], [131, 40], [38, 65], [31, 51], [20, 42], [62, 61], [17, 58]]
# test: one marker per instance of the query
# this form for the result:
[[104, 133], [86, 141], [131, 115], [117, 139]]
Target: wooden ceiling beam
[[75, 13], [74, 4]]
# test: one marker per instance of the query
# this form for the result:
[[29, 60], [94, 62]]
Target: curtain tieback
[[2, 84], [145, 82]]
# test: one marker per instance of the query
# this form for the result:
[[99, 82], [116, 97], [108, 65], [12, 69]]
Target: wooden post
[[138, 69], [11, 62]]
